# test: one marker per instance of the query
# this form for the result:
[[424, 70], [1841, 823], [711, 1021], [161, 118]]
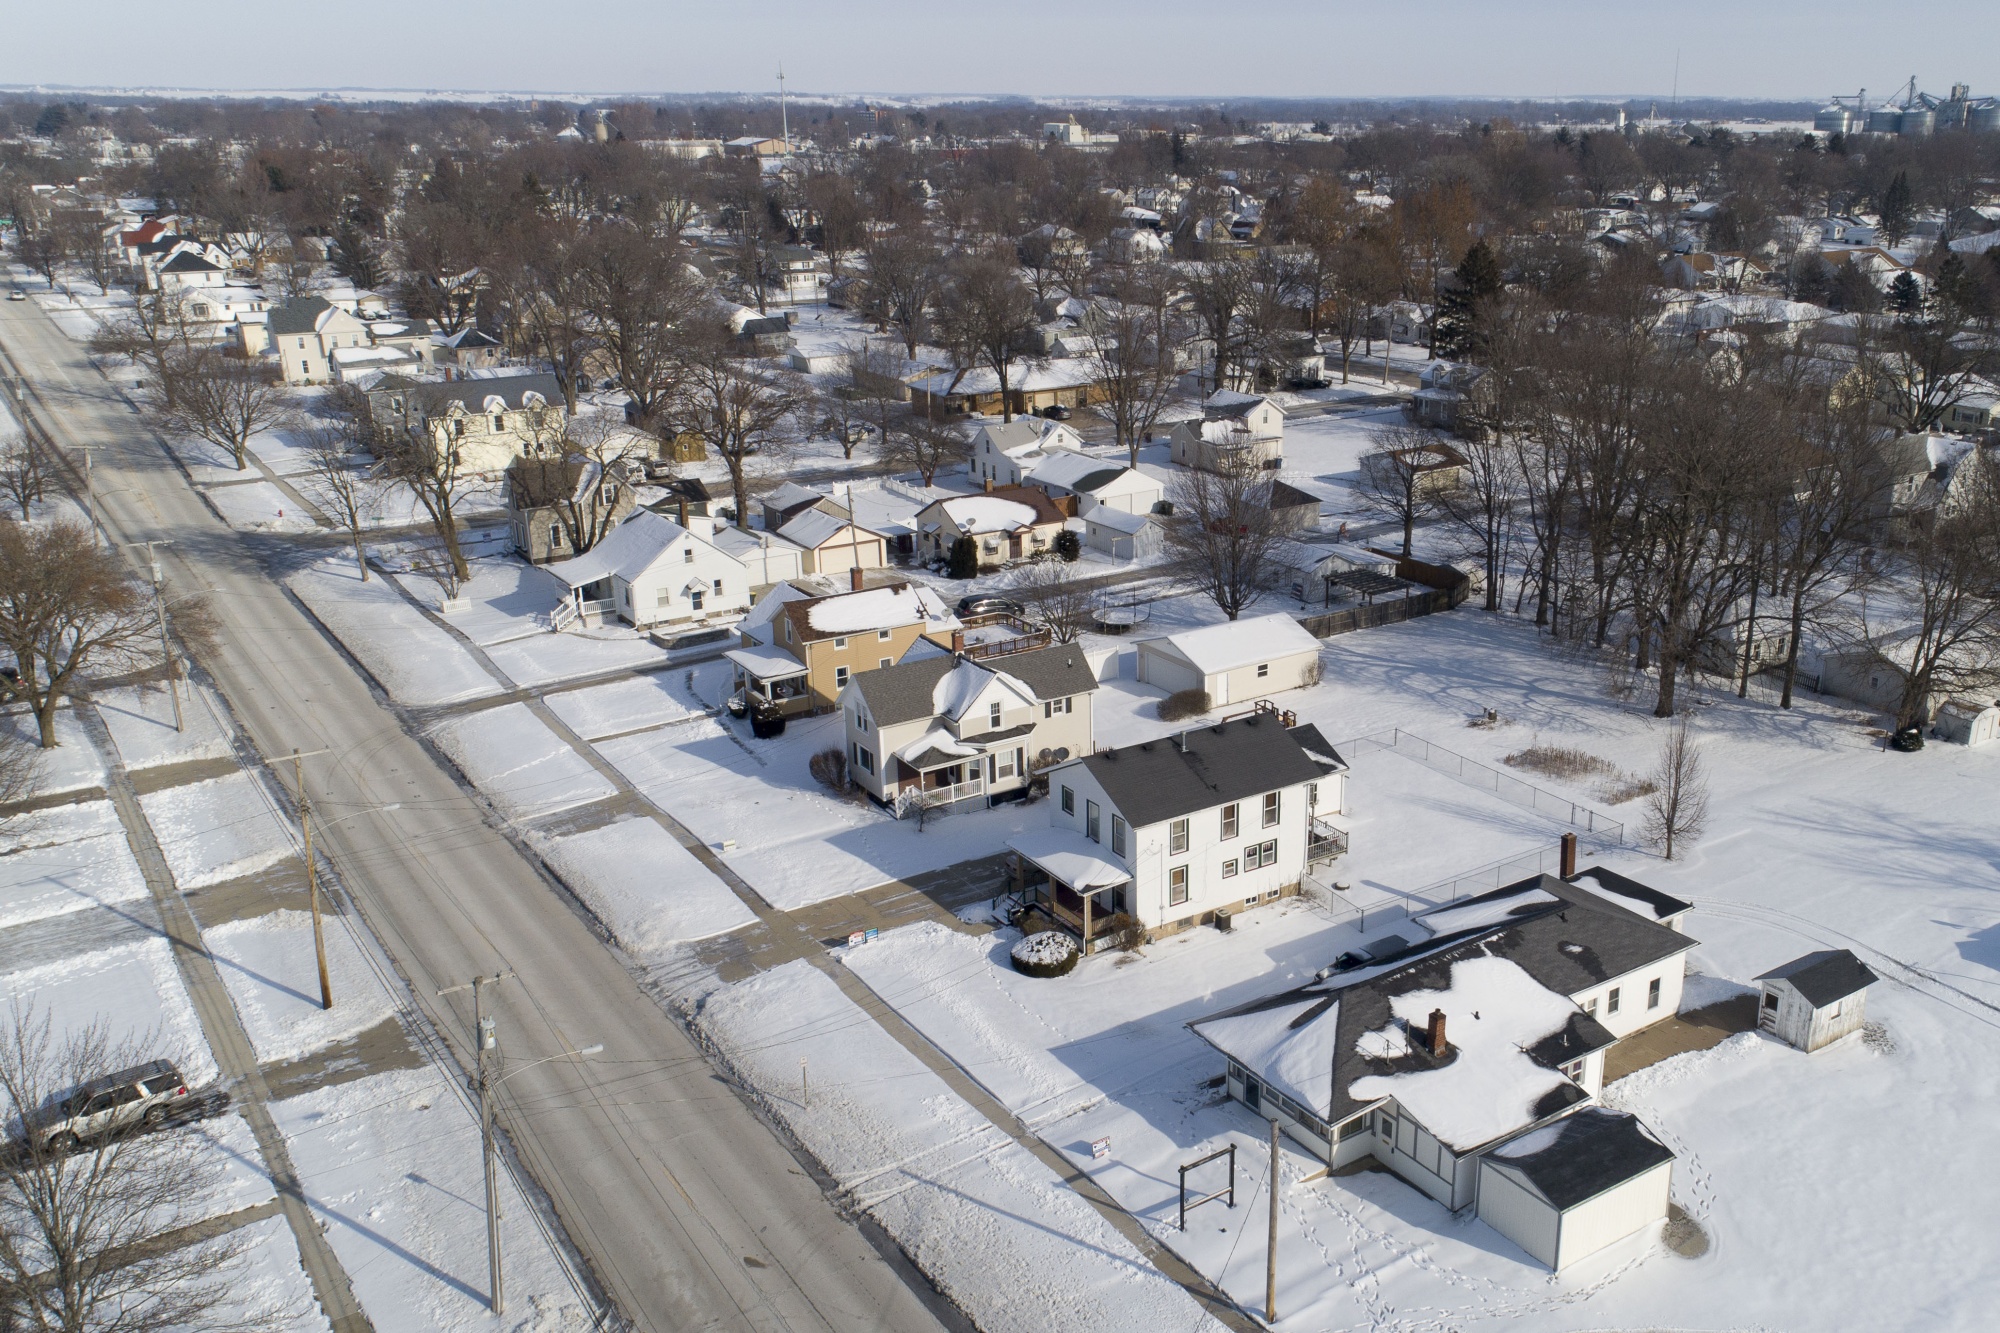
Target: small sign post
[[1100, 1148]]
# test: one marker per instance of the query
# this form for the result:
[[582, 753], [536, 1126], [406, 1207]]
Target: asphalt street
[[689, 1211]]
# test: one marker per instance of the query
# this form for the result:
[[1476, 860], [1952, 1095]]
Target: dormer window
[[499, 424]]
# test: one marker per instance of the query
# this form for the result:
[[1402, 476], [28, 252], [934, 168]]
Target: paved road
[[691, 1213]]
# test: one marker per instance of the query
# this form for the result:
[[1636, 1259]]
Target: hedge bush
[[1047, 953], [1186, 703]]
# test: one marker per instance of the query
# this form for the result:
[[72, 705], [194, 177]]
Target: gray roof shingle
[[1824, 976], [1200, 769], [297, 316], [905, 692], [1584, 1155]]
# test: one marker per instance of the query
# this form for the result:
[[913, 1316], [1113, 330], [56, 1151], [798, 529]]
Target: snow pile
[[937, 738], [994, 1228], [1045, 948], [267, 963], [216, 830], [523, 768], [414, 660], [65, 859], [1491, 1086], [648, 890]]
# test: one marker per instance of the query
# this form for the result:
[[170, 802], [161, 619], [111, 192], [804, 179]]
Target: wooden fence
[[1447, 588]]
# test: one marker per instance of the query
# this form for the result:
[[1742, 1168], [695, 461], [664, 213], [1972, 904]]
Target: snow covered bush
[[829, 769], [1047, 953]]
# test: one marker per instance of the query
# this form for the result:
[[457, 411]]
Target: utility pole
[[1271, 1251], [486, 1044], [784, 111], [312, 878]]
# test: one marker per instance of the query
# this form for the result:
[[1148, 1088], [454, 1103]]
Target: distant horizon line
[[363, 91]]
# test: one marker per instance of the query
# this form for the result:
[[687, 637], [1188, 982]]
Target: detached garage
[[1234, 662], [1565, 1191]]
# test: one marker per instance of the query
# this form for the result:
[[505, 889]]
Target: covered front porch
[[771, 679], [1068, 879]]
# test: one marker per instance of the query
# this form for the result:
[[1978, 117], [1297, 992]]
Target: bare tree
[[222, 400], [545, 277], [158, 334], [739, 409], [1945, 629], [1134, 343], [1677, 808], [337, 477], [23, 478], [1395, 477], [1221, 291], [905, 268], [1222, 535], [431, 471], [573, 460], [875, 385], [88, 1238], [68, 608], [985, 318], [1053, 595], [924, 445], [642, 298]]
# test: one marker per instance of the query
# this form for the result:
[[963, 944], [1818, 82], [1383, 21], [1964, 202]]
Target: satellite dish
[[1062, 754], [1046, 755]]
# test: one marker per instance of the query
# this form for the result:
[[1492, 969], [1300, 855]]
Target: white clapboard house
[[1168, 832], [1454, 1058]]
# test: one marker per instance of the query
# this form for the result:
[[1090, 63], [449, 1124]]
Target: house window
[[840, 677], [1263, 670], [499, 424], [1229, 869], [788, 631], [1228, 822], [302, 344], [1590, 1006], [609, 495], [687, 555], [1068, 801], [865, 758], [1611, 1001], [1004, 768], [993, 717], [884, 661], [695, 600], [664, 597], [555, 537], [1653, 993], [1090, 825], [1117, 835], [1574, 1070], [860, 720], [1771, 1004], [1272, 807], [840, 643], [1177, 837], [1261, 855], [882, 634], [1251, 901], [1177, 886]]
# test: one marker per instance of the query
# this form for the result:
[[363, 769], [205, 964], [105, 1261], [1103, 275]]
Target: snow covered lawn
[[268, 965], [523, 768], [626, 705], [65, 859], [648, 890], [209, 463], [141, 722], [216, 830], [259, 506], [269, 1288], [391, 1166], [134, 990], [545, 659], [415, 661], [989, 1223], [74, 765], [795, 842]]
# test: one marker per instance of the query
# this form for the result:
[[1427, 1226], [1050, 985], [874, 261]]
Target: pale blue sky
[[1194, 48]]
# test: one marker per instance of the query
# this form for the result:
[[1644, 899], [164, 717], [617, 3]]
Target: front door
[[1253, 1093]]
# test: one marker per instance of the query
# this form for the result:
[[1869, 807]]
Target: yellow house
[[801, 647]]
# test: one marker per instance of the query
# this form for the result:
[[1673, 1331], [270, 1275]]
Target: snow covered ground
[[648, 890], [268, 965], [509, 602], [259, 506], [414, 660], [216, 830], [796, 843], [141, 722], [269, 1289], [67, 858], [74, 765], [134, 990], [523, 768], [989, 1223], [391, 1166], [623, 706]]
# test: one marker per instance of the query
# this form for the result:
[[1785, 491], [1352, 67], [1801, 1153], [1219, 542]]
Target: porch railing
[[1324, 842]]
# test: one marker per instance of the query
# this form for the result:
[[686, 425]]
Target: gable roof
[[814, 528], [477, 395], [1284, 495], [907, 691], [1240, 643], [1824, 976], [1580, 1156], [187, 261], [298, 316], [895, 606], [627, 551], [1002, 509], [1155, 781]]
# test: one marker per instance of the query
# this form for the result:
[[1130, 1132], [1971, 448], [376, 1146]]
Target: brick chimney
[[854, 578], [958, 641], [684, 513], [1436, 1037], [1568, 855]]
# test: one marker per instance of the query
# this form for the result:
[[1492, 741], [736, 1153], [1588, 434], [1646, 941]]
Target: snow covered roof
[[1118, 520], [1485, 911], [978, 514], [1022, 376], [1091, 476], [765, 662], [877, 609], [936, 746], [1070, 857], [1630, 893], [627, 551], [1494, 1011], [1241, 643], [814, 528], [1291, 1047]]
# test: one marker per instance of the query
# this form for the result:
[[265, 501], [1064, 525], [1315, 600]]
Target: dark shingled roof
[[1660, 905], [1090, 481], [1159, 780], [904, 692], [472, 394], [297, 316], [1825, 976], [1286, 496], [1314, 744], [1585, 1154], [187, 261]]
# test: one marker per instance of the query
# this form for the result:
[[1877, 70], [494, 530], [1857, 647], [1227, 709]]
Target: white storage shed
[[1967, 722], [1235, 662], [1120, 535], [1816, 1000], [1567, 1190]]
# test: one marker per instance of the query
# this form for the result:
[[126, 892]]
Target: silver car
[[147, 1095]]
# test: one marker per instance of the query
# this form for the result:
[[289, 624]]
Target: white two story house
[[942, 729], [1168, 832]]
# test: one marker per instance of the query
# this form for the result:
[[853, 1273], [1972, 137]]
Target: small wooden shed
[[1968, 722], [1813, 1001]]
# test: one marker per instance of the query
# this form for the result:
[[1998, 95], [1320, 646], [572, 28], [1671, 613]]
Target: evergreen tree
[[1461, 304], [1906, 297], [964, 559], [1896, 209]]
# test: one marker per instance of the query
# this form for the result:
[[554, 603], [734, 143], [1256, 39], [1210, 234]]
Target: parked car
[[148, 1094], [986, 604], [17, 295], [1057, 412]]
